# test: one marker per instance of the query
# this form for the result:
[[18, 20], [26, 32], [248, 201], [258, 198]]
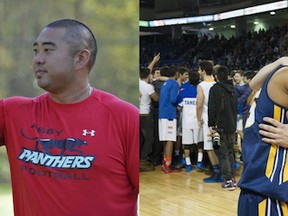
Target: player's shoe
[[229, 185], [189, 168], [183, 162], [175, 168], [216, 177], [169, 169], [234, 182], [200, 167]]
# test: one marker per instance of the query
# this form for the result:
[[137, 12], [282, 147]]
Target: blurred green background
[[115, 24]]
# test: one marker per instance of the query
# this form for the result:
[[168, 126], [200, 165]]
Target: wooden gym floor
[[185, 194]]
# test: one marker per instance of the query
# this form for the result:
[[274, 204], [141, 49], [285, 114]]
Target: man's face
[[156, 74], [247, 81], [237, 78], [52, 61], [201, 73], [185, 76]]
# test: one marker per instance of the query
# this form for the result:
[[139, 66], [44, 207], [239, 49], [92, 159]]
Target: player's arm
[[156, 58], [199, 105], [162, 78], [180, 102], [174, 94], [258, 80], [273, 131], [154, 96]]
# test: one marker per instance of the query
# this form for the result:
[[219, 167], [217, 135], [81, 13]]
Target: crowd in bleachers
[[250, 51]]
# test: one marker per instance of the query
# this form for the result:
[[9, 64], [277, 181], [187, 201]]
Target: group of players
[[182, 117]]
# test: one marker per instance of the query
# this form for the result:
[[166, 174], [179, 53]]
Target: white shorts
[[192, 136], [207, 138], [167, 129], [239, 123]]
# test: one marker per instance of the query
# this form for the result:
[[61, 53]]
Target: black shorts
[[254, 204]]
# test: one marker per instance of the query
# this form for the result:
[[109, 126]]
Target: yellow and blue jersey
[[265, 165]]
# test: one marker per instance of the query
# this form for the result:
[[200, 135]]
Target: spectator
[[222, 114], [249, 51]]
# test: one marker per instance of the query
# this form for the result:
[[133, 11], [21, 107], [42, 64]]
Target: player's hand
[[156, 58], [274, 132], [200, 123]]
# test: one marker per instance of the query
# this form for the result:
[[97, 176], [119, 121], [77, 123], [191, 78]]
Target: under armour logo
[[86, 132]]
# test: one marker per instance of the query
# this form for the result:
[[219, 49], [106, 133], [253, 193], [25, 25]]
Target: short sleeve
[[150, 89]]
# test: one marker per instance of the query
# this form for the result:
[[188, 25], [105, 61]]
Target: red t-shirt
[[72, 159]]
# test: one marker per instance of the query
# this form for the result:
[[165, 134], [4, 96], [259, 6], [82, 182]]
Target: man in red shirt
[[73, 150]]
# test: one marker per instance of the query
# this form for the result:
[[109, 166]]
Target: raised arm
[[257, 81], [154, 61]]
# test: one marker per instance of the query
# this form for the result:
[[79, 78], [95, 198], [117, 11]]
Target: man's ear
[[81, 59]]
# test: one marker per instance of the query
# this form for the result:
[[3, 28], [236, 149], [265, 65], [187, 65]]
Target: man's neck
[[241, 83], [72, 96], [208, 78], [146, 80]]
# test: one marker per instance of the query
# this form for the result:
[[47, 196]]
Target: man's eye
[[35, 50]]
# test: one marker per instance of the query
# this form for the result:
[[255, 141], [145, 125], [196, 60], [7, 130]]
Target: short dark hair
[[249, 74], [172, 71], [194, 77], [144, 73], [79, 36], [222, 73], [164, 71], [240, 72], [206, 65], [154, 69], [183, 70]]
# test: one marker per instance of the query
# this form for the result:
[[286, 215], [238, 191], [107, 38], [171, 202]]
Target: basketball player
[[264, 182], [191, 132], [167, 117], [206, 75], [73, 150]]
